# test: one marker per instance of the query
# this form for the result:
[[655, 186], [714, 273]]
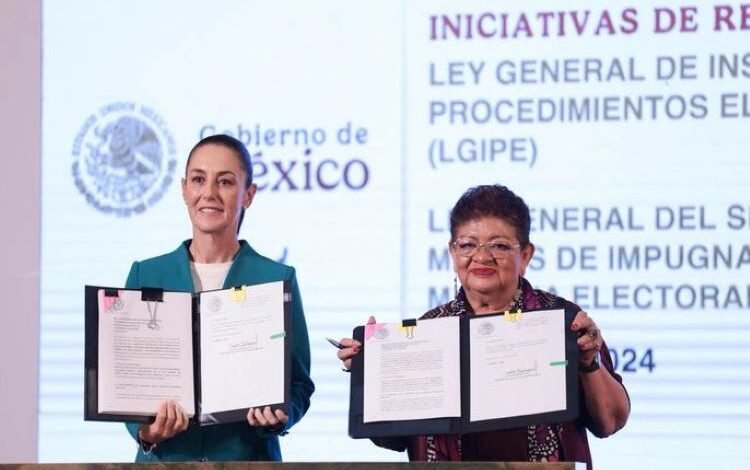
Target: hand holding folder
[[351, 347], [151, 347], [450, 375], [170, 420]]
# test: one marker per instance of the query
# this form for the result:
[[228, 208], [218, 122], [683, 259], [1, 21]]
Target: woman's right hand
[[170, 420], [351, 347]]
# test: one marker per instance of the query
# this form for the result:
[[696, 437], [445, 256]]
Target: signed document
[[216, 353], [145, 352], [517, 364], [412, 372], [242, 348]]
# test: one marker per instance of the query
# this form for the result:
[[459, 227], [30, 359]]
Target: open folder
[[217, 353], [454, 375]]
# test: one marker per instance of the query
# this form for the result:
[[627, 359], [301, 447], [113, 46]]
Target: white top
[[209, 276]]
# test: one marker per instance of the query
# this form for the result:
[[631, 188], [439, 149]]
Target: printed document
[[412, 372]]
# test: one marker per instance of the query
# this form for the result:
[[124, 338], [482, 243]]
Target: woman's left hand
[[266, 417], [589, 337], [606, 400]]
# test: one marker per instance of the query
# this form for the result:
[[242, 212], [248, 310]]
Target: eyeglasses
[[497, 250]]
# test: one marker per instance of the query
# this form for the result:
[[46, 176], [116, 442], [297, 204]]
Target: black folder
[[455, 425], [91, 357]]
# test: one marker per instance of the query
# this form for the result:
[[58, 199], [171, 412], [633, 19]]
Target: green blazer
[[235, 441]]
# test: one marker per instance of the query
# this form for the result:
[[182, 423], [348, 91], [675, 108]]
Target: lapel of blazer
[[240, 272], [182, 273]]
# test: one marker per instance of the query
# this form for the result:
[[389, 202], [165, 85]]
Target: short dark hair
[[240, 151], [493, 200]]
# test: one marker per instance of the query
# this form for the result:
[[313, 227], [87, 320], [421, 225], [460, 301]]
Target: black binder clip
[[152, 294], [408, 325], [112, 301]]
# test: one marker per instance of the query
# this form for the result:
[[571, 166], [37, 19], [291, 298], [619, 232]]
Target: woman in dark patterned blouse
[[491, 250]]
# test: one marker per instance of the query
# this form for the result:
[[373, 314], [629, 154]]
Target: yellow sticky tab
[[238, 294], [513, 316]]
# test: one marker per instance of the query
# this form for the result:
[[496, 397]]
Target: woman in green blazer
[[217, 189]]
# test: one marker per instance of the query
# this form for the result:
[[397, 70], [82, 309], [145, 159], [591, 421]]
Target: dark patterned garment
[[567, 442], [543, 441]]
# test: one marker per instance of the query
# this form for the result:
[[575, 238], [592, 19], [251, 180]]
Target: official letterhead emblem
[[124, 159], [382, 333], [214, 304], [485, 328]]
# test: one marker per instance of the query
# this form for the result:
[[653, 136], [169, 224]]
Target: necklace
[[514, 301]]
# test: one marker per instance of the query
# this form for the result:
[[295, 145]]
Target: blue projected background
[[625, 128]]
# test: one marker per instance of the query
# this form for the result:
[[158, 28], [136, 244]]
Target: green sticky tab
[[278, 335], [558, 363]]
